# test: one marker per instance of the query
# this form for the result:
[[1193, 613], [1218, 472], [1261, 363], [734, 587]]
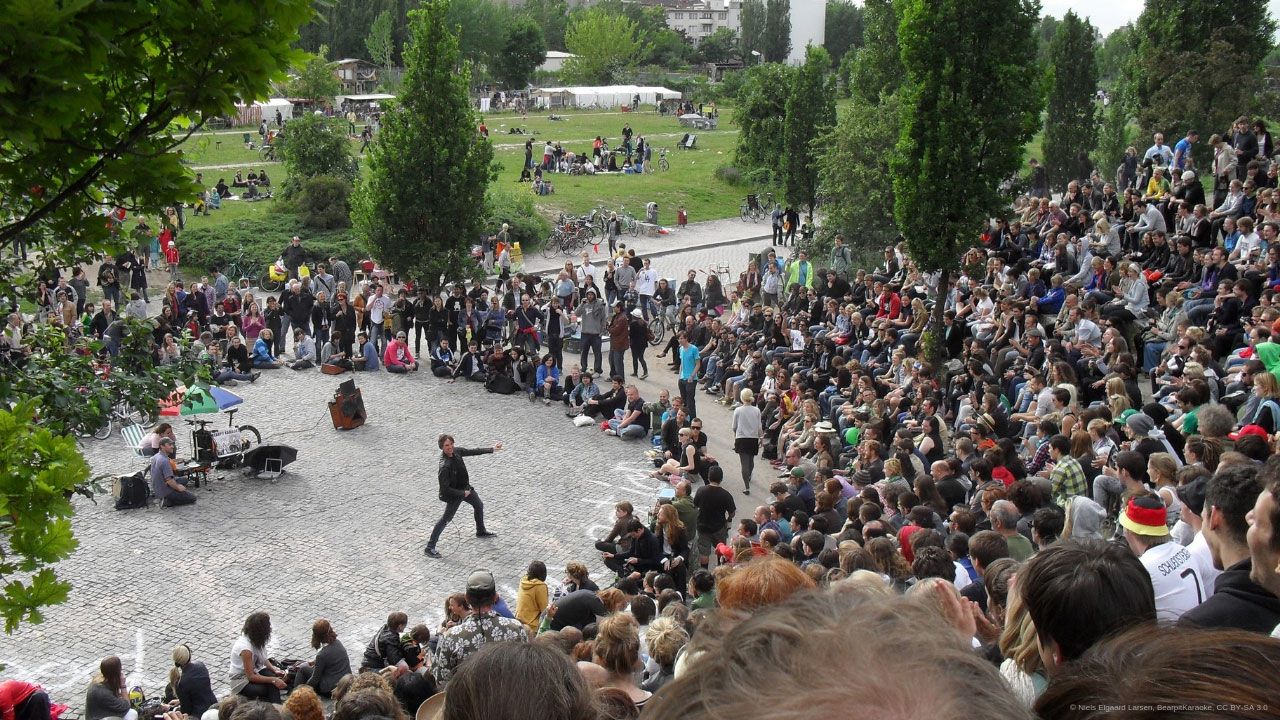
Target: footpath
[[694, 236]]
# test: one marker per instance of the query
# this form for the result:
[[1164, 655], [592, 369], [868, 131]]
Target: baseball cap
[[1124, 416], [797, 472], [1192, 495], [1145, 516], [481, 581], [1249, 430]]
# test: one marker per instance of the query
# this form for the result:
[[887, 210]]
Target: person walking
[[455, 489], [640, 335], [747, 431]]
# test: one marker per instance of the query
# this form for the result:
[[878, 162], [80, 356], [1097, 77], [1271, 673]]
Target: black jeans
[[637, 360], [689, 394], [591, 341], [451, 507], [35, 707], [262, 691]]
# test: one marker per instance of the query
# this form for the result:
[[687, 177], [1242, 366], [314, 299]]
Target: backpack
[[132, 491], [500, 384]]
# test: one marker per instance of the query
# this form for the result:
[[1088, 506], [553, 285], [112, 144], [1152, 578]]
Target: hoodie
[[531, 600], [1086, 518], [1237, 603], [136, 309]]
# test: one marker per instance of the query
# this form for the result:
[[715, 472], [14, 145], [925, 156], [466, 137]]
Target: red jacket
[[391, 356], [12, 694]]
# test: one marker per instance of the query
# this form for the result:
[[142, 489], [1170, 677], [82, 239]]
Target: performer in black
[[455, 489]]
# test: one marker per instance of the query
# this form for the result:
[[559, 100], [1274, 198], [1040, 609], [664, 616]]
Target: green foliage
[[760, 109], [259, 240], [606, 46], [720, 46], [525, 224], [524, 50], [1071, 123], [810, 112], [875, 68], [481, 26], [1045, 32], [323, 202], [1115, 52], [315, 79], [39, 472], [777, 30], [1113, 134], [854, 173], [428, 171], [551, 16], [969, 105], [752, 19], [843, 29], [1198, 64], [90, 112], [731, 175], [345, 26], [380, 43], [315, 145]]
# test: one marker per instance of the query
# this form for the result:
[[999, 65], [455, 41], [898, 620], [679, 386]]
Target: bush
[[259, 240], [526, 225], [324, 202], [731, 175]]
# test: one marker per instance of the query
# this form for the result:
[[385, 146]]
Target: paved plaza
[[340, 535]]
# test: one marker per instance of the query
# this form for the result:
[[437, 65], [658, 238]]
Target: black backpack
[[133, 491], [501, 384]]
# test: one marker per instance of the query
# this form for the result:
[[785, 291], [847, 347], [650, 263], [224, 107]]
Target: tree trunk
[[936, 327]]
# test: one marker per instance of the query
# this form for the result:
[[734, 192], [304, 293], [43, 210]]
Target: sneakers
[[486, 534], [533, 398], [611, 432], [546, 401], [254, 377], [432, 552]]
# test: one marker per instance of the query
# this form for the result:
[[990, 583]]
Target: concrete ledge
[[650, 230]]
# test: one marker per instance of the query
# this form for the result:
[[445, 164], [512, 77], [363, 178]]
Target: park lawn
[[691, 180]]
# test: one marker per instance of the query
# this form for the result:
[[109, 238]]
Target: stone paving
[[340, 535]]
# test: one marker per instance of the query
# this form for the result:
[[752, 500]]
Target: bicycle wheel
[[659, 329], [267, 284], [663, 164], [135, 416], [104, 432], [551, 247], [744, 213], [249, 436]]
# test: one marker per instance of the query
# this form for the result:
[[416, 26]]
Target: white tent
[[604, 96], [255, 112]]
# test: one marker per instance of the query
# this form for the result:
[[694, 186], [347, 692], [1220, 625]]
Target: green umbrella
[[198, 401]]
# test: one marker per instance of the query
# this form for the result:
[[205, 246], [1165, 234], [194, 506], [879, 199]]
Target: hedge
[[261, 239]]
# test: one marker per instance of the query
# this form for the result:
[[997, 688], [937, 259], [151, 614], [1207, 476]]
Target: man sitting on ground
[[164, 483]]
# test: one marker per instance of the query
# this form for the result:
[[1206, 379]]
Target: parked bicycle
[[225, 447], [663, 164], [630, 225], [240, 271], [750, 209], [121, 414]]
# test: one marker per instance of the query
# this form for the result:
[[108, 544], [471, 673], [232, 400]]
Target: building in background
[[699, 19], [555, 61]]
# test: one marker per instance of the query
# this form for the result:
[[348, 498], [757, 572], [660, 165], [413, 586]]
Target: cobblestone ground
[[340, 535]]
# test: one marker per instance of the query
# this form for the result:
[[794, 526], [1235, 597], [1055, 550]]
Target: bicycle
[[750, 209], [629, 223], [121, 414], [225, 447], [238, 271], [663, 164], [666, 320]]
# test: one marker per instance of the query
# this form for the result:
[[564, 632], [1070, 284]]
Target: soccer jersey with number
[[1175, 579]]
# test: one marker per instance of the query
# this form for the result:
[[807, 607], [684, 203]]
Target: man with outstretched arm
[[455, 489]]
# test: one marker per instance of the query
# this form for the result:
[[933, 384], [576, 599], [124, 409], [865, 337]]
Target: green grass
[[691, 180]]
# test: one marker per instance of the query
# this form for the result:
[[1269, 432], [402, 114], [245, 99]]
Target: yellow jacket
[[530, 602]]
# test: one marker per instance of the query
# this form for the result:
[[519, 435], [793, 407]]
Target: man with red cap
[[1174, 575]]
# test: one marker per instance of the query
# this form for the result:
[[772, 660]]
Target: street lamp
[[755, 54]]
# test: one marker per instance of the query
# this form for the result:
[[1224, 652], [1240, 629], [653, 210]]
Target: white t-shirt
[[1175, 578], [1203, 557], [237, 663]]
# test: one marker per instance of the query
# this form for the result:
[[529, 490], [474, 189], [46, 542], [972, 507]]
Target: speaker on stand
[[347, 407]]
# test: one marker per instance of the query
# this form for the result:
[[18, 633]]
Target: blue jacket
[[261, 352], [370, 354], [555, 375]]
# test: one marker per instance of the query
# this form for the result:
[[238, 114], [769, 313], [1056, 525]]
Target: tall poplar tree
[[969, 105], [419, 205], [810, 112], [1071, 123], [777, 30]]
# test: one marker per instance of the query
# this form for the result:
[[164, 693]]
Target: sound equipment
[[347, 407]]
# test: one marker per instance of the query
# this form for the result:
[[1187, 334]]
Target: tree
[[1045, 32], [843, 29], [1115, 52], [876, 67], [315, 145], [969, 105], [777, 30], [853, 171], [524, 50], [419, 203], [1113, 132], [344, 26], [605, 46], [315, 79], [810, 112], [753, 21], [1198, 64], [379, 42], [552, 17], [481, 26], [89, 117], [718, 47], [760, 110], [1071, 122]]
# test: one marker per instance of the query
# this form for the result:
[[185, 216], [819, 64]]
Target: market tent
[[605, 96], [253, 113]]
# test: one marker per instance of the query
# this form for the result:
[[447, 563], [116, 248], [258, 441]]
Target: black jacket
[[1237, 603], [384, 650], [647, 550], [454, 481], [194, 690]]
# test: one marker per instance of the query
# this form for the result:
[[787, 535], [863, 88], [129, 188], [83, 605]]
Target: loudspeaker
[[347, 407]]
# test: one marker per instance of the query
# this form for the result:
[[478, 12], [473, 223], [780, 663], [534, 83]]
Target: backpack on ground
[[131, 491]]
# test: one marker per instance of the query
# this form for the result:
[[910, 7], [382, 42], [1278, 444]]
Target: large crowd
[[1073, 513]]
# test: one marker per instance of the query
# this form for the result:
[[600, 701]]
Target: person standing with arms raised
[[455, 489]]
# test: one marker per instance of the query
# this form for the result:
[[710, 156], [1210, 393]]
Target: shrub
[[731, 175], [260, 240], [526, 225], [324, 202]]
